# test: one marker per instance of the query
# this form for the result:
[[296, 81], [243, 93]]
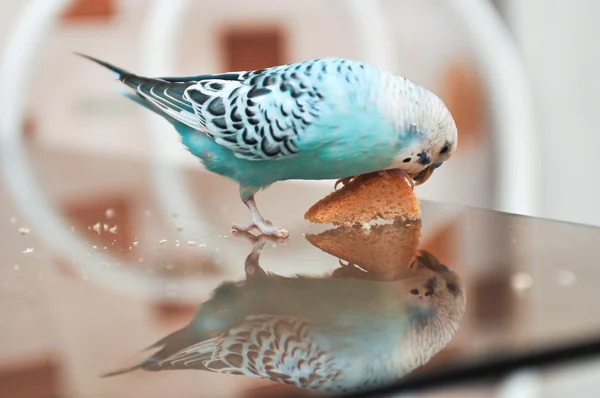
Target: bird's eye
[[414, 292], [452, 287], [445, 149]]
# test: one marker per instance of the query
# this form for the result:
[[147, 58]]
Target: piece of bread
[[386, 195], [385, 251]]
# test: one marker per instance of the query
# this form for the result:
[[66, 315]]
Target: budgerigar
[[324, 333], [319, 119]]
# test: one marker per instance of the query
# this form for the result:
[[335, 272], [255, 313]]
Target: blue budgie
[[326, 333], [320, 119]]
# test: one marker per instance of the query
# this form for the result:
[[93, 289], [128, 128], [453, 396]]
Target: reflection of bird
[[444, 290], [327, 334], [314, 120], [389, 252]]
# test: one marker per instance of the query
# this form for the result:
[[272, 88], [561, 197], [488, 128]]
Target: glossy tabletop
[[330, 309]]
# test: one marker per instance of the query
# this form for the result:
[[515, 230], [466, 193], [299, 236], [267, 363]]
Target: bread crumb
[[366, 227]]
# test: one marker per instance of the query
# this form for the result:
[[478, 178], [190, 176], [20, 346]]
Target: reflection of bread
[[385, 195], [384, 251]]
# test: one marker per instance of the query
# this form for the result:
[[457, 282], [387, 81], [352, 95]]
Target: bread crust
[[381, 195]]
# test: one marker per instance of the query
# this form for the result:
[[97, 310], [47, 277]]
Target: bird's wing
[[169, 94], [264, 114], [278, 348], [259, 115]]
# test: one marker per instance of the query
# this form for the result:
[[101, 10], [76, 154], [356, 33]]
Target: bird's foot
[[264, 227], [258, 241], [252, 266]]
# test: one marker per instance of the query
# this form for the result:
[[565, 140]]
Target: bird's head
[[434, 282], [431, 284], [428, 135]]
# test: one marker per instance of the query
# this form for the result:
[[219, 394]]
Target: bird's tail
[[148, 361], [129, 79], [165, 97], [191, 140], [140, 100], [160, 95], [124, 370], [167, 346]]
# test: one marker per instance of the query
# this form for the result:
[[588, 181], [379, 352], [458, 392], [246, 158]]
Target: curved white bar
[[17, 62], [516, 154], [16, 66], [160, 36]]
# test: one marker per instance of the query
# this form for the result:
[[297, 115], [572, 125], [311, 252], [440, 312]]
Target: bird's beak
[[425, 174]]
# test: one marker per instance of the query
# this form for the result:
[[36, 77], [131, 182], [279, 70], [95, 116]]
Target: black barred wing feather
[[261, 115], [278, 348], [169, 97]]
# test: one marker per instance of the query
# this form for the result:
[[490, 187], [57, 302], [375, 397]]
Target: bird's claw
[[264, 228], [344, 181]]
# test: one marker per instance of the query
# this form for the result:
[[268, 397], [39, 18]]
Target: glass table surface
[[331, 310]]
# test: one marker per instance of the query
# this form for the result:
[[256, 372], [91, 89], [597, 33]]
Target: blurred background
[[519, 76], [70, 104]]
